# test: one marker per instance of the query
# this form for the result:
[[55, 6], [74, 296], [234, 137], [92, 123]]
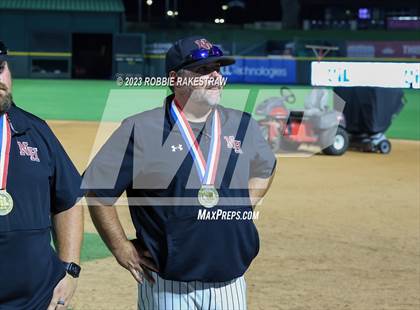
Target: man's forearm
[[68, 233], [258, 187], [107, 223]]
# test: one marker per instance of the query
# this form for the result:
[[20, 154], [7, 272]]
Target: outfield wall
[[86, 101]]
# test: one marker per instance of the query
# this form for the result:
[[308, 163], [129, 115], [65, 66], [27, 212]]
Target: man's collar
[[18, 122]]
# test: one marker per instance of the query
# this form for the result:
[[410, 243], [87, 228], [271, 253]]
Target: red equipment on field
[[286, 129]]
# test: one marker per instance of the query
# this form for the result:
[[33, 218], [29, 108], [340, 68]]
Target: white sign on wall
[[374, 74]]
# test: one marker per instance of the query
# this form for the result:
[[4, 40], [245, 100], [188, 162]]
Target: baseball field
[[336, 232]]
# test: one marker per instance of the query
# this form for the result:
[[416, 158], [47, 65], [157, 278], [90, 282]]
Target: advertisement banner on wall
[[372, 74], [403, 23], [261, 71], [381, 49]]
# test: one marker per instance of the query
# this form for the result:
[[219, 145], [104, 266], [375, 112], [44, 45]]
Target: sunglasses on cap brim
[[202, 53]]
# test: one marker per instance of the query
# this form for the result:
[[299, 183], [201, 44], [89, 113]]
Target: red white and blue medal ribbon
[[5, 140], [6, 201], [207, 170]]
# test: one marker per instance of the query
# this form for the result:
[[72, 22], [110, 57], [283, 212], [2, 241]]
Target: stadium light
[[225, 7], [221, 20], [169, 13], [176, 13], [149, 2], [217, 20]]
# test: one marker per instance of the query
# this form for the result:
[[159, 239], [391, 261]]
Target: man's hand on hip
[[135, 259]]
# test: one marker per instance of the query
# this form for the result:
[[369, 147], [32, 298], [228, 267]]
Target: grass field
[[93, 248], [86, 101]]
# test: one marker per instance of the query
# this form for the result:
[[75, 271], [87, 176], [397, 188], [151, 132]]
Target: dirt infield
[[336, 233]]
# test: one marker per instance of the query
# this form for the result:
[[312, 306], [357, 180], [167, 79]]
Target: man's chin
[[212, 103], [212, 96]]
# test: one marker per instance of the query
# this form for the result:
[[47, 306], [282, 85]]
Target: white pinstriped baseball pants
[[194, 295]]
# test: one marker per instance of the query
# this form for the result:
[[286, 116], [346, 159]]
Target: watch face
[[73, 270]]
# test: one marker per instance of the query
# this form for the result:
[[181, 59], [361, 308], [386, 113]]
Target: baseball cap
[[3, 51], [192, 52]]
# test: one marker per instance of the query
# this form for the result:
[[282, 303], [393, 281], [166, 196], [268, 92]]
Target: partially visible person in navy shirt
[[181, 165], [38, 195]]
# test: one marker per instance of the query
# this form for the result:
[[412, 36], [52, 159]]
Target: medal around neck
[[6, 203], [208, 196]]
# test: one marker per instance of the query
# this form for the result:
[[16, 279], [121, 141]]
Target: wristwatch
[[72, 269]]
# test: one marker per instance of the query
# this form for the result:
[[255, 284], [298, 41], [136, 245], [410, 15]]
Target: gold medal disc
[[6, 203], [208, 196]]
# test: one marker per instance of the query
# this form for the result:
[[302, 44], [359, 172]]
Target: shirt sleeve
[[263, 161], [65, 182], [111, 171]]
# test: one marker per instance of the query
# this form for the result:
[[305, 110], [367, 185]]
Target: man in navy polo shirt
[[39, 188], [192, 171]]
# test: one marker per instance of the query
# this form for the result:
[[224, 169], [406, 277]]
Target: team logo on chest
[[233, 144], [26, 150]]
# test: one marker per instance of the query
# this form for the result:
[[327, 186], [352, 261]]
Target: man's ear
[[172, 79], [7, 76]]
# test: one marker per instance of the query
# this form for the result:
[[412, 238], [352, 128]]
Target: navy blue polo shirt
[[148, 158], [42, 181]]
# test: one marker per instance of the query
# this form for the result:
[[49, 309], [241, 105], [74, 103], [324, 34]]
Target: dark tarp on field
[[370, 109]]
